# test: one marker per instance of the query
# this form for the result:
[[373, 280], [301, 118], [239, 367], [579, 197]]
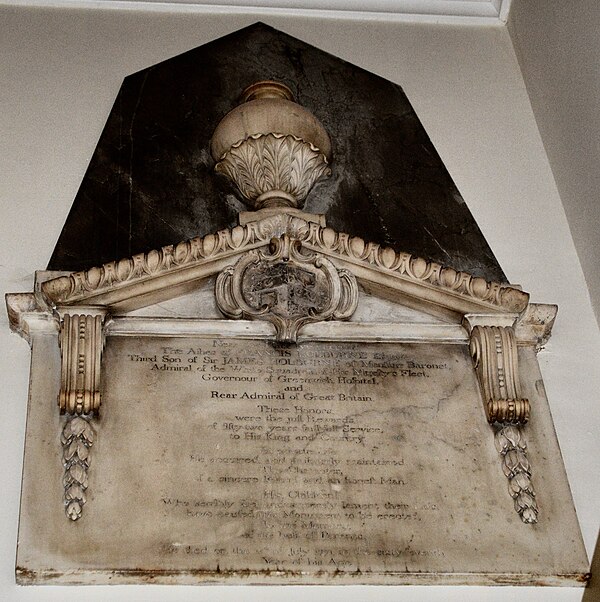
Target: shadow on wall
[[592, 591]]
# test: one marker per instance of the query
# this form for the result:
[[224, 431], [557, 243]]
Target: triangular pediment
[[275, 147], [176, 270], [371, 309]]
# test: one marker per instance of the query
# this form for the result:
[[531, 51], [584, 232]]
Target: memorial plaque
[[225, 459], [279, 402]]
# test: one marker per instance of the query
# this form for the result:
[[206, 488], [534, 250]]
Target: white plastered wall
[[59, 74], [559, 54]]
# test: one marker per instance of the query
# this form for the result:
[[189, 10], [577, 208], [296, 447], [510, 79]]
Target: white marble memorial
[[283, 403]]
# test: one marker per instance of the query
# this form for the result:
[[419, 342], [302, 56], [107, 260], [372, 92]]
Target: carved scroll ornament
[[288, 286], [494, 353]]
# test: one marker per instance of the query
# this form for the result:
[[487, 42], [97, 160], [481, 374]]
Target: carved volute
[[494, 351], [81, 342]]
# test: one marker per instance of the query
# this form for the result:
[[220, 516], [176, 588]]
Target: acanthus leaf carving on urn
[[274, 169], [288, 286], [272, 148]]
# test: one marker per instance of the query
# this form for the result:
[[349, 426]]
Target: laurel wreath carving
[[77, 438], [515, 464]]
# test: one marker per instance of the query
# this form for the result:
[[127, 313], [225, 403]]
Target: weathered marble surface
[[219, 459], [151, 180]]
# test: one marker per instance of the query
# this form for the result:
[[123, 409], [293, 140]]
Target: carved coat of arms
[[288, 286]]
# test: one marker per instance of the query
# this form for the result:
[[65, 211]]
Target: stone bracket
[[493, 348], [494, 353], [81, 341]]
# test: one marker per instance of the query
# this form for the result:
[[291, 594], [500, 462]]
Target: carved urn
[[271, 147]]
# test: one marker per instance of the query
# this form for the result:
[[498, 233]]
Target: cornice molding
[[426, 11], [172, 270]]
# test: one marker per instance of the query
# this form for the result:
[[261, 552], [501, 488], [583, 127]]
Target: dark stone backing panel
[[151, 182]]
